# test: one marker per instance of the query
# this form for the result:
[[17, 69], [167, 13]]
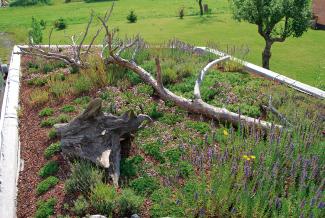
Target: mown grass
[[301, 59]]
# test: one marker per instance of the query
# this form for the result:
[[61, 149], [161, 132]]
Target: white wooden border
[[9, 140]]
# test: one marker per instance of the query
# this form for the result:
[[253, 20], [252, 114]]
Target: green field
[[301, 59]]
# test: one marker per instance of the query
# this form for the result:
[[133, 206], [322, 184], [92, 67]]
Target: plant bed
[[181, 164]]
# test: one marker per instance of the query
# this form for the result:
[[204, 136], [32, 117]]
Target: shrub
[[154, 113], [52, 134], [37, 81], [173, 155], [60, 24], [153, 149], [49, 122], [68, 108], [39, 97], [52, 149], [45, 112], [83, 176], [45, 208], [132, 17], [49, 169], [24, 3], [48, 67], [103, 198], [80, 206], [129, 203], [144, 185], [170, 119], [46, 184], [181, 13]]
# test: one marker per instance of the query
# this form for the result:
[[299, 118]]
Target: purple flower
[[321, 205]]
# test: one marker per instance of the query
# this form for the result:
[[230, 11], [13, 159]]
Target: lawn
[[301, 59]]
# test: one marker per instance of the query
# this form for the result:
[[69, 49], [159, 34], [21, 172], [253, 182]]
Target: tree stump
[[96, 136]]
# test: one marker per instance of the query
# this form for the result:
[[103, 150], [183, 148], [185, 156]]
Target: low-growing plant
[[46, 184], [144, 186], [68, 108], [80, 206], [45, 208], [37, 81], [132, 17], [39, 97], [145, 89], [82, 100], [153, 149], [171, 119], [129, 203], [45, 112], [49, 122], [49, 169], [154, 113], [60, 24], [173, 155], [57, 87], [81, 85], [62, 118], [129, 166], [52, 134], [103, 198], [84, 175], [185, 169], [52, 149], [201, 127]]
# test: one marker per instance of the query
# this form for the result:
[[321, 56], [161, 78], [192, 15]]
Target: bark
[[96, 136], [266, 55], [201, 7]]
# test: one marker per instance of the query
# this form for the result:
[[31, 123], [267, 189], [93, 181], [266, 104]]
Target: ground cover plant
[[159, 22], [182, 164]]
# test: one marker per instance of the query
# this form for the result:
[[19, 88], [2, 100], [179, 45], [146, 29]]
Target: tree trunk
[[201, 7], [266, 55]]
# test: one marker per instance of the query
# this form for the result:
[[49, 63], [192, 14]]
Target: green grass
[[301, 59]]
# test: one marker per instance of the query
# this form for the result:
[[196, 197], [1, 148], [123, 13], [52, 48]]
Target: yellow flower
[[245, 157], [248, 158], [253, 157], [225, 132]]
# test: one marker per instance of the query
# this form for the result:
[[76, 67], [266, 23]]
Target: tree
[[35, 34], [201, 6], [276, 20]]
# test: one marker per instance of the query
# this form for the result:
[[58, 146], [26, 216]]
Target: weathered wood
[[96, 136]]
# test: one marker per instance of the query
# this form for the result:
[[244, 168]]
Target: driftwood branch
[[197, 93]]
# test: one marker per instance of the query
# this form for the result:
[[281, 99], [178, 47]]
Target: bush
[[52, 149], [144, 185], [154, 113], [45, 112], [103, 199], [49, 122], [39, 97], [132, 17], [45, 208], [129, 203], [60, 24], [24, 3], [46, 184], [83, 176], [52, 134], [49, 169], [80, 206]]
